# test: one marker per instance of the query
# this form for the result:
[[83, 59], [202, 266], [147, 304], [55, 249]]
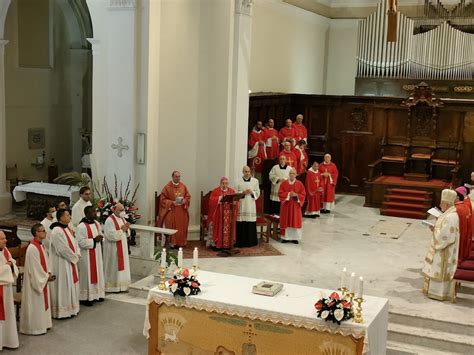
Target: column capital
[[243, 7], [95, 45], [122, 5]]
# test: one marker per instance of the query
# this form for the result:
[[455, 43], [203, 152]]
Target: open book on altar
[[435, 212]]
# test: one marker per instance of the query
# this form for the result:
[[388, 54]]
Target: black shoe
[[214, 248], [295, 242], [327, 211], [285, 241], [86, 303], [324, 211], [100, 300], [316, 216]]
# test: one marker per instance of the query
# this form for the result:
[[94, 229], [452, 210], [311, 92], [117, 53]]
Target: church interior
[[321, 148]]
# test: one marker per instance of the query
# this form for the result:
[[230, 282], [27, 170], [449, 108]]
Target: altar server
[[64, 258], [46, 222], [91, 276], [116, 262], [278, 174], [292, 195], [313, 191], [246, 235], [330, 174], [35, 316], [8, 272], [78, 208]]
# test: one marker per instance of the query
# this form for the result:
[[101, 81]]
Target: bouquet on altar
[[334, 308], [105, 200], [184, 283]]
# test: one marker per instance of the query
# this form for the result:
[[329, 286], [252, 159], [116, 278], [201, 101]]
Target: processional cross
[[392, 21], [120, 146]]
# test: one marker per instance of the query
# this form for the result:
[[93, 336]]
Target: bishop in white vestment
[[246, 227], [78, 208], [278, 174], [442, 258], [91, 268], [35, 316], [64, 258], [116, 263], [8, 272]]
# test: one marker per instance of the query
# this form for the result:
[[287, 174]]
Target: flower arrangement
[[184, 283], [106, 200], [334, 308]]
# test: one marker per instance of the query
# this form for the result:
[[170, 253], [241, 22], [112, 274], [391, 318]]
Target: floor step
[[402, 213], [432, 339], [400, 348], [410, 192], [404, 205], [419, 199]]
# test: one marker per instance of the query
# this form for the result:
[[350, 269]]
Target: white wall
[[288, 49]]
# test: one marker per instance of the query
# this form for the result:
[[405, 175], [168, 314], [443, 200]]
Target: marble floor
[[391, 267]]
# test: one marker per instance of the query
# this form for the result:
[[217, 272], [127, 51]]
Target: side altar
[[227, 318]]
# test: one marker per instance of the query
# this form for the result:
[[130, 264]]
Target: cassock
[[288, 134], [35, 311], [464, 212], [47, 224], [278, 172], [78, 211], [313, 190], [257, 153], [116, 263], [291, 220], [91, 267], [220, 215], [442, 258], [8, 331], [300, 132], [64, 259], [290, 158], [246, 235], [301, 160], [328, 184], [272, 143], [175, 216]]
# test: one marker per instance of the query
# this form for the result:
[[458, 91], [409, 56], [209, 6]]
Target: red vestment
[[175, 216], [220, 214], [329, 182], [300, 132], [313, 189], [290, 210], [272, 144], [290, 158], [257, 153], [301, 160], [465, 230], [288, 134]]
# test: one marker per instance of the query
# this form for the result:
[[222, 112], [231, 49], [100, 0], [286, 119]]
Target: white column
[[5, 196]]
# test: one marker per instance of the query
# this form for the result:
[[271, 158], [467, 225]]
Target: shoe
[[100, 300], [86, 303], [284, 241], [295, 242], [324, 211], [317, 216], [214, 248]]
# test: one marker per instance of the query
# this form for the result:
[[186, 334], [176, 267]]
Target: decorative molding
[[359, 119], [120, 147], [422, 94], [468, 89], [243, 7], [122, 5]]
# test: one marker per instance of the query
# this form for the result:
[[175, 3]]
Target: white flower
[[324, 314], [186, 291], [339, 305], [339, 314], [174, 287]]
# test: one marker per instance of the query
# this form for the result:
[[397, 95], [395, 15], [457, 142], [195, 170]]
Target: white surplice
[[64, 291], [87, 290], [46, 224], [34, 317], [115, 280], [78, 211], [277, 173], [8, 331], [247, 207]]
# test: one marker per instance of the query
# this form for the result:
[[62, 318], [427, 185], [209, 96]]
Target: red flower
[[319, 305], [334, 296], [194, 284], [331, 304], [171, 281], [185, 273], [347, 305], [100, 204]]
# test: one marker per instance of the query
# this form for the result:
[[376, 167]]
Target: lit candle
[[195, 256], [352, 283], [180, 257], [343, 278], [163, 258], [360, 291]]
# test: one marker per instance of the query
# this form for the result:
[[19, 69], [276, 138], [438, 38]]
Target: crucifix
[[392, 21], [120, 146]]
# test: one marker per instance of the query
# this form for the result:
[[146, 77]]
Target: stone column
[[5, 196]]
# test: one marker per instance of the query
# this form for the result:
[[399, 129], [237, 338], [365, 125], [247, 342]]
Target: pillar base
[[5, 203]]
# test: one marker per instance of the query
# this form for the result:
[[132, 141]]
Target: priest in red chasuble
[[221, 218], [464, 211], [290, 156], [272, 140], [300, 130], [313, 191], [292, 195], [329, 173], [287, 133], [301, 157], [257, 153], [174, 209]]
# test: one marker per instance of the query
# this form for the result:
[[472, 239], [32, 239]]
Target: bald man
[[116, 263], [247, 218], [300, 130], [288, 133]]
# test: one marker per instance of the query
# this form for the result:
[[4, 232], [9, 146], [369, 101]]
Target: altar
[[227, 318]]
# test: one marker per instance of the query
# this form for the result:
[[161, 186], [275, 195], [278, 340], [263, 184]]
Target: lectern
[[232, 200]]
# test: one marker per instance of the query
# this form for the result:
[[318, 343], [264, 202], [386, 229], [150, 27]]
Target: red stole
[[121, 264], [45, 269], [6, 254], [92, 259], [71, 246]]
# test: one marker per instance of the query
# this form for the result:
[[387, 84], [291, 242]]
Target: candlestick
[[352, 283], [343, 279], [343, 291], [163, 258], [360, 290], [180, 257], [358, 314], [195, 257], [162, 285]]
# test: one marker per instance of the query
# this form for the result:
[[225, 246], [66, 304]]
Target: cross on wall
[[120, 147]]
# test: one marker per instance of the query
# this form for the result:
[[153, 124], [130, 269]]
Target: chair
[[392, 161], [420, 159], [204, 215], [11, 234], [461, 276], [446, 158], [19, 254], [261, 221]]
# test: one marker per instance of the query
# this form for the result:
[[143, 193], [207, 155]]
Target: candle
[[360, 291], [343, 278], [195, 256], [352, 283], [180, 257], [163, 258]]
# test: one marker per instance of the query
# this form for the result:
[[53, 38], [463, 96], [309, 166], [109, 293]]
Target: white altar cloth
[[44, 188], [294, 305]]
